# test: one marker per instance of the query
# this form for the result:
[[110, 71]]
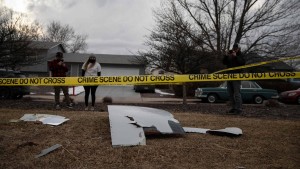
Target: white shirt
[[92, 71]]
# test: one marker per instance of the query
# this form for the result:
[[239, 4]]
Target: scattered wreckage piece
[[48, 150], [54, 120], [128, 124], [228, 131], [195, 130]]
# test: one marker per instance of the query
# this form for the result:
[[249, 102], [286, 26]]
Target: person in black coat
[[234, 58]]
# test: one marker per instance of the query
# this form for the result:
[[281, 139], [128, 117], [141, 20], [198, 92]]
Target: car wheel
[[18, 96], [5, 93], [298, 100], [212, 98], [258, 100]]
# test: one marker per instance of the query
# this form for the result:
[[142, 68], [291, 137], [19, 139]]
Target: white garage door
[[113, 71], [118, 91]]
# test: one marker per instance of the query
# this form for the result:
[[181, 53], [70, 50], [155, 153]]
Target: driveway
[[117, 93]]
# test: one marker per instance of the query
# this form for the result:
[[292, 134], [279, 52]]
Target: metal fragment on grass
[[45, 118], [228, 131], [48, 150]]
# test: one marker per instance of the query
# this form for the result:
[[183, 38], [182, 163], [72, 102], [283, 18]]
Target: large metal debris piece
[[127, 124]]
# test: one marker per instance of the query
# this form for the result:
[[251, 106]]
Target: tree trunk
[[184, 100]]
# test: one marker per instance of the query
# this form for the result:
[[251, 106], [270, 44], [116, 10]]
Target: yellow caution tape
[[140, 80], [151, 79], [259, 64]]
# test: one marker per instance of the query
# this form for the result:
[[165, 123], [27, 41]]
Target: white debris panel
[[195, 130], [45, 118], [127, 124]]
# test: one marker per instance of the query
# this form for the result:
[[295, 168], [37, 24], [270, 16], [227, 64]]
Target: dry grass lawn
[[86, 143]]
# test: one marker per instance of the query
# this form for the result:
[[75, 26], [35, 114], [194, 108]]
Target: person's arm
[[64, 66], [50, 66], [99, 69], [241, 60], [225, 60]]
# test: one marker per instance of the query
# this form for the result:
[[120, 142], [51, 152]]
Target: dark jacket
[[234, 62], [57, 70]]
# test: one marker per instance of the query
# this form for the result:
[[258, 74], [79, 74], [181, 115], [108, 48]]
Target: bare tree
[[16, 34], [171, 48], [201, 31], [258, 25], [65, 34], [78, 43]]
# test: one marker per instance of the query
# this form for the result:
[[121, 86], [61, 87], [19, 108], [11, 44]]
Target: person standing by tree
[[90, 68], [233, 59], [58, 68]]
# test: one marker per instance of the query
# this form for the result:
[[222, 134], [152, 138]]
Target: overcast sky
[[112, 26]]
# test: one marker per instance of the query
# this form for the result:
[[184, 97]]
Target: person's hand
[[61, 63], [233, 54]]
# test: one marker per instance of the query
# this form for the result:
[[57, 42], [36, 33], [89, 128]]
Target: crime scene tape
[[140, 80], [259, 64]]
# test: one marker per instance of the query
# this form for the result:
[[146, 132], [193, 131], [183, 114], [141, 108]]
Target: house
[[159, 71], [112, 65], [270, 67], [43, 51]]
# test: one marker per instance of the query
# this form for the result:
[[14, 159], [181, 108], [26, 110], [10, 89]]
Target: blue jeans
[[234, 91]]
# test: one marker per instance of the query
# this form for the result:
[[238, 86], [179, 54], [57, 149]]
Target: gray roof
[[102, 58], [255, 58], [44, 45]]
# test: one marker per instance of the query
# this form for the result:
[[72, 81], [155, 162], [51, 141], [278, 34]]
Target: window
[[246, 84]]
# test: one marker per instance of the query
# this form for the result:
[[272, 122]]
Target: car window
[[11, 74], [255, 85], [7, 75], [250, 85], [223, 85], [245, 84], [295, 80], [20, 75]]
